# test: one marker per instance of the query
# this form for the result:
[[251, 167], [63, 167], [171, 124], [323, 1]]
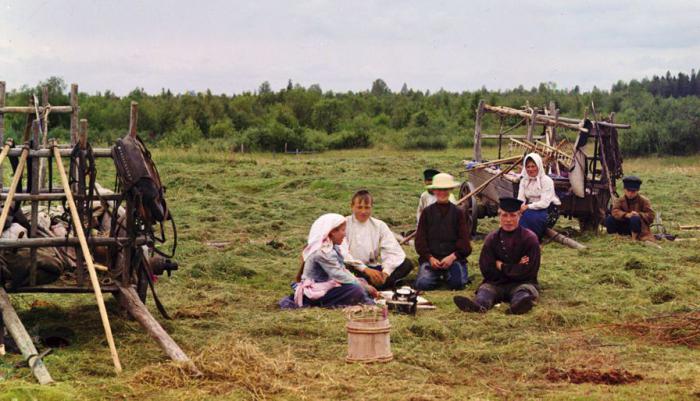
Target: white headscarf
[[540, 169], [318, 235]]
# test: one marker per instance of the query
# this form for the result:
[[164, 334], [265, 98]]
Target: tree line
[[664, 113]]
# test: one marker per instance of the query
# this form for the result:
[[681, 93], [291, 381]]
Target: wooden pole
[[2, 125], [472, 193], [563, 239], [88, 260], [131, 302], [541, 119], [74, 114], [34, 217], [477, 131], [22, 339], [44, 135], [531, 125], [15, 180], [133, 119]]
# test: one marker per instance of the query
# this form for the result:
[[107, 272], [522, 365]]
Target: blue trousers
[[535, 221], [623, 227], [455, 277]]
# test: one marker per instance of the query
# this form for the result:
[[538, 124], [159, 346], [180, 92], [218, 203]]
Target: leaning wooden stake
[[131, 302], [88, 258], [563, 239], [22, 339], [15, 180]]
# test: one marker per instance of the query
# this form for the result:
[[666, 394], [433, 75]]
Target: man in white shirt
[[370, 247]]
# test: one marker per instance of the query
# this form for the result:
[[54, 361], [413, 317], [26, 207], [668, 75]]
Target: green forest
[[664, 112]]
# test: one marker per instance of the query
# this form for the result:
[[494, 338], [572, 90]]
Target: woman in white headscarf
[[324, 280], [537, 193]]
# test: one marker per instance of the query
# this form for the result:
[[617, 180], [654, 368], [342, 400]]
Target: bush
[[222, 129], [424, 138], [274, 137], [349, 139], [185, 135], [316, 141]]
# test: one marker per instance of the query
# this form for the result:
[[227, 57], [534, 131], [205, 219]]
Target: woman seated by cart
[[540, 202], [323, 280]]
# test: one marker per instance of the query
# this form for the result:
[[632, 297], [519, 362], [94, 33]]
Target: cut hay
[[671, 329], [228, 366]]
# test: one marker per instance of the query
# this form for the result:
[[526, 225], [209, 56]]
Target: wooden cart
[[584, 183], [125, 276]]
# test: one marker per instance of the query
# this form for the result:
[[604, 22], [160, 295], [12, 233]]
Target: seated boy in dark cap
[[509, 262], [632, 213]]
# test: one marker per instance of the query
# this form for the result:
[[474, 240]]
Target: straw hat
[[443, 181]]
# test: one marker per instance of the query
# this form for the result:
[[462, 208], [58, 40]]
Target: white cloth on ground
[[371, 243], [537, 192]]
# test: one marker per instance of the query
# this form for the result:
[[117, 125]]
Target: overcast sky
[[232, 46]]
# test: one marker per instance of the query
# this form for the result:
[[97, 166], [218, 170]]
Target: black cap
[[632, 183], [510, 204], [428, 174]]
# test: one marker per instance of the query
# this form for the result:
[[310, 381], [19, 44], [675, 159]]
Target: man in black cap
[[509, 262], [632, 213]]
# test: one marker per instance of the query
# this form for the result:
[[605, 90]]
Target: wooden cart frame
[[128, 283], [601, 169]]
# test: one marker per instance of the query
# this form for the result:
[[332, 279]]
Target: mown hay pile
[[230, 365]]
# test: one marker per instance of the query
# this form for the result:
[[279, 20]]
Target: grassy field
[[244, 218]]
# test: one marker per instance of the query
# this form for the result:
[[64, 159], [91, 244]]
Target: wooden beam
[[133, 119], [63, 242], [2, 125], [477, 131], [531, 125], [83, 136], [541, 119], [129, 299], [34, 217], [31, 110], [74, 114], [44, 134], [99, 152], [563, 239], [22, 339]]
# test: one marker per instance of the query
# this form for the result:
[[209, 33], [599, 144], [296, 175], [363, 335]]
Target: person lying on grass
[[509, 262], [536, 190], [442, 240], [370, 247], [323, 279], [631, 214], [427, 198]]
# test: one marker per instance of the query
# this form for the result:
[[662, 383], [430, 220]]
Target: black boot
[[520, 303], [467, 305]]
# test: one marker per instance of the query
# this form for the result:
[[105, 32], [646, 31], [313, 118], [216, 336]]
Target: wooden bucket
[[368, 340]]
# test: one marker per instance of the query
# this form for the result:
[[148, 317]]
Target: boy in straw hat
[[442, 239], [427, 198]]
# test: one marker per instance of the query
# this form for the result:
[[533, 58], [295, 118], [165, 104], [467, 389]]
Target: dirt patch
[[578, 376]]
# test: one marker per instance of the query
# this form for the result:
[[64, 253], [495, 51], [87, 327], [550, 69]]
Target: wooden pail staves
[[368, 340]]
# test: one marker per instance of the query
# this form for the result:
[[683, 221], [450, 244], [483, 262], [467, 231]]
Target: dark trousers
[[623, 227], [490, 294], [399, 273]]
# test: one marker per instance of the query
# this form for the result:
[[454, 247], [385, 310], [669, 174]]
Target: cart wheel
[[470, 205]]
